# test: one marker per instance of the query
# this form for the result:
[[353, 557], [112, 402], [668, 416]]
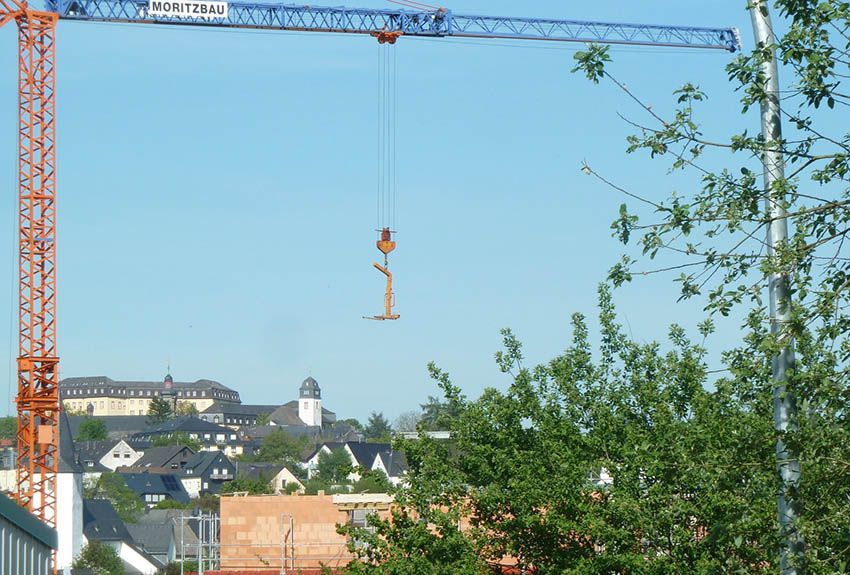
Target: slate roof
[[101, 522], [162, 518], [153, 483], [238, 408], [202, 461], [95, 450], [259, 470], [325, 412], [188, 424], [310, 388], [69, 460], [394, 462], [332, 445], [164, 456], [365, 453], [151, 537], [107, 381], [117, 426], [286, 414]]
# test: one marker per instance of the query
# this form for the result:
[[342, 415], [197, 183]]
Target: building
[[364, 456], [102, 524], [110, 454], [306, 411], [292, 534], [102, 396], [212, 437], [117, 426], [279, 477], [236, 415], [155, 487], [213, 470], [27, 543]]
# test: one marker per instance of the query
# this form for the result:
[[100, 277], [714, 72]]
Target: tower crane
[[38, 361]]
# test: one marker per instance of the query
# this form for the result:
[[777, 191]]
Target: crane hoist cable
[[387, 176]]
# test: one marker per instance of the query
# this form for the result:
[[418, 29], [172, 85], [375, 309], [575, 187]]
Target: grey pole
[[791, 553]]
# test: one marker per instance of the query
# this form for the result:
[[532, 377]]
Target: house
[[172, 457], [211, 436], [393, 464], [110, 454], [361, 454], [212, 468], [279, 477], [101, 523], [235, 415], [167, 534], [155, 487]]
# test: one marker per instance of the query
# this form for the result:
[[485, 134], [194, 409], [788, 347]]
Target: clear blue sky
[[217, 201]]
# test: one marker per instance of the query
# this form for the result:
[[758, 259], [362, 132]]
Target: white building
[[310, 403]]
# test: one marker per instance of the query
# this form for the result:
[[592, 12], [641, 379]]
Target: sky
[[217, 196]]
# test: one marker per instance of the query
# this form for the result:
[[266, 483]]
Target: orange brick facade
[[260, 533]]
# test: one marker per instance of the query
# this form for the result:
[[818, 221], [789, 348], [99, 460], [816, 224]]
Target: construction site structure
[[38, 360]]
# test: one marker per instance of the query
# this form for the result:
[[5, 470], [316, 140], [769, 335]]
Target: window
[[116, 455], [206, 485], [126, 456]]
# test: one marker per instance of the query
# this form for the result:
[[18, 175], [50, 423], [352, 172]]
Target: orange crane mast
[[38, 361]]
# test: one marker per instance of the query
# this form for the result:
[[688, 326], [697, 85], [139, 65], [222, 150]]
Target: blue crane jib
[[378, 22]]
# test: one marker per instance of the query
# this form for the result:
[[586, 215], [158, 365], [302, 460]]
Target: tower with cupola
[[310, 403]]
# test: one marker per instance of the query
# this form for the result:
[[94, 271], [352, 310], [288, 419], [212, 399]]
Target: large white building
[[100, 395]]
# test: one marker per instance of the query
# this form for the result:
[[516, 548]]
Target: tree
[[100, 558], [172, 504], [622, 465], [372, 481], [174, 568], [258, 486], [92, 429], [186, 408], [713, 238], [377, 428], [177, 438], [334, 467], [407, 421], [263, 418], [159, 411], [280, 447], [436, 415], [8, 427], [354, 423], [111, 486]]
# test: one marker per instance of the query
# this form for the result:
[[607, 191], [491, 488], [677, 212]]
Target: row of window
[[141, 392]]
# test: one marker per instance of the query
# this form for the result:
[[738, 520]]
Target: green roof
[[26, 521]]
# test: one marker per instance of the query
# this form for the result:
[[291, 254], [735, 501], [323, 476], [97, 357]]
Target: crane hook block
[[386, 243]]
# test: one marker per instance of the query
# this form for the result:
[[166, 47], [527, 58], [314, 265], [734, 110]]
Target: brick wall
[[251, 532]]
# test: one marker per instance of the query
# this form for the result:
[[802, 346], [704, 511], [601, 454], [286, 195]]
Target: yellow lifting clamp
[[385, 246]]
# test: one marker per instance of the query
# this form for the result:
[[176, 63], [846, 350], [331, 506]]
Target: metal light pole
[[791, 553]]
